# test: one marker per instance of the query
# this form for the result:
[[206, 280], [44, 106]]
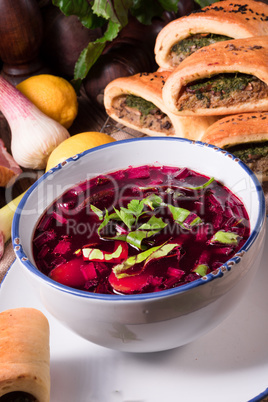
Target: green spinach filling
[[145, 114], [250, 151], [222, 84], [144, 106], [222, 90], [189, 45]]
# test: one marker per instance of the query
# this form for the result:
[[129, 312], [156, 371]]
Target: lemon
[[53, 95], [76, 144]]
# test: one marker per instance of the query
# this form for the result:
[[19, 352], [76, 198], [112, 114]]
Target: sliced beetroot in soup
[[130, 284], [138, 230], [69, 273]]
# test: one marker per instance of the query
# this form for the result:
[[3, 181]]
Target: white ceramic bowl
[[154, 321]]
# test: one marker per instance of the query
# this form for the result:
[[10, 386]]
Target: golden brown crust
[[149, 86], [247, 56], [24, 353], [239, 19], [238, 129]]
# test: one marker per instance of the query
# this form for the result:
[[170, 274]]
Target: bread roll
[[24, 355], [157, 120], [228, 77], [227, 19], [246, 136], [238, 129]]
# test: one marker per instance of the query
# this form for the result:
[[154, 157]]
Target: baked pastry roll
[[136, 102], [24, 355], [246, 136], [220, 21], [225, 78]]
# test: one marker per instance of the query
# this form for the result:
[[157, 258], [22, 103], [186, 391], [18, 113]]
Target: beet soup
[[139, 230]]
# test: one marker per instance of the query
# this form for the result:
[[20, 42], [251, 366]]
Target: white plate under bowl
[[230, 363]]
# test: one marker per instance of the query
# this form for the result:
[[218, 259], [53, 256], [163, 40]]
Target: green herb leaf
[[196, 221], [87, 58], [136, 237], [119, 269], [206, 184], [179, 214], [141, 104], [144, 11], [201, 269], [153, 253], [97, 211], [95, 254], [153, 201], [154, 223], [176, 193], [126, 216], [93, 51], [106, 219], [82, 9], [161, 252], [135, 207], [116, 11], [225, 237], [169, 5], [148, 229]]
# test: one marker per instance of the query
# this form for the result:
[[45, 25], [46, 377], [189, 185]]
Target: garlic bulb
[[33, 134]]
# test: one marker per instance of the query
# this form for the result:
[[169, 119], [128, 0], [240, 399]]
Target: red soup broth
[[139, 230]]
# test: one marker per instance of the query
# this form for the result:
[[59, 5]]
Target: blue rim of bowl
[[154, 295]]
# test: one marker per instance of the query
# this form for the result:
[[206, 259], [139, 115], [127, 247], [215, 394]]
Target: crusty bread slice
[[246, 56], [234, 19], [24, 353], [238, 129]]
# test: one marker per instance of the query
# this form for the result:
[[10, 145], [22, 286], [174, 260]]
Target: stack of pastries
[[211, 84]]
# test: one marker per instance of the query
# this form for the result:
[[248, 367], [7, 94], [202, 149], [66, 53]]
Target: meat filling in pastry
[[142, 113], [136, 102], [224, 78], [222, 90]]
